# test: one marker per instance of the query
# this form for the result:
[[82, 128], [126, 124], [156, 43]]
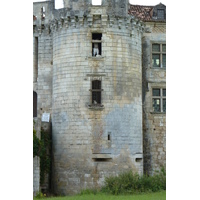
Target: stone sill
[[102, 155], [97, 5], [95, 58], [163, 113], [158, 68], [97, 107]]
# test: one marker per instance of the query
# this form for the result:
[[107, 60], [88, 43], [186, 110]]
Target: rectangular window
[[96, 92], [96, 44], [43, 13], [159, 55], [159, 99], [161, 13], [34, 104], [35, 61]]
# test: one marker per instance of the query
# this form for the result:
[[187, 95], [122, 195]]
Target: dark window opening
[[156, 92], [43, 13], [164, 92], [96, 36], [35, 59], [164, 105], [96, 44], [161, 13], [34, 104], [156, 105], [102, 159], [138, 159], [96, 92], [159, 55], [159, 100], [108, 136]]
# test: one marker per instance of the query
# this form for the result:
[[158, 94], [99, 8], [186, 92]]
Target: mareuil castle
[[99, 88]]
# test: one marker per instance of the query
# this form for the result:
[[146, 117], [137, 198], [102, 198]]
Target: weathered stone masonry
[[93, 140]]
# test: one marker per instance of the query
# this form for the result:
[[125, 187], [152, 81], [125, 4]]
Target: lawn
[[150, 196]]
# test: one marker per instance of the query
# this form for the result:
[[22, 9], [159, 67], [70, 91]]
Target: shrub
[[42, 148], [45, 157], [129, 183], [40, 195], [89, 191], [36, 144]]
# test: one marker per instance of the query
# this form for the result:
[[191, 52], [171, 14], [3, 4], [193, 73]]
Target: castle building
[[99, 85]]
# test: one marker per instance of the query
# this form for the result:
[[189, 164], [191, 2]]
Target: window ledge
[[101, 155], [158, 113], [158, 68], [95, 58], [96, 106]]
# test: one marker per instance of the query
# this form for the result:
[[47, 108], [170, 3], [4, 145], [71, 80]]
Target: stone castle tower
[[88, 78]]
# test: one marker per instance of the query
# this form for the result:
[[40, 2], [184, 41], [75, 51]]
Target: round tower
[[96, 94]]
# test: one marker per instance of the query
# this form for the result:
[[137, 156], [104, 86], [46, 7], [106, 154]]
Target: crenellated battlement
[[67, 20], [81, 13]]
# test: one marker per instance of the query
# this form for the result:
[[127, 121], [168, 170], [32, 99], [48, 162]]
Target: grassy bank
[[125, 186], [99, 196]]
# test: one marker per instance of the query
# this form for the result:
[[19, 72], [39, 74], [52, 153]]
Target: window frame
[[160, 53], [92, 105], [99, 90], [161, 97], [99, 42], [35, 102], [158, 10]]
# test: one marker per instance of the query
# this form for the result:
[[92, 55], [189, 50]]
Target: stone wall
[[154, 124], [46, 185], [77, 5], [38, 11], [90, 143], [42, 44], [36, 164], [82, 153], [36, 175], [42, 72]]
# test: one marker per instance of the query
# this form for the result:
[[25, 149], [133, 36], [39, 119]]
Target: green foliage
[[45, 157], [100, 196], [89, 191], [40, 195], [129, 183], [41, 148], [36, 144]]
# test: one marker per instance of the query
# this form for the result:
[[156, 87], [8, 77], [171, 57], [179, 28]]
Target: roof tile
[[145, 13], [142, 12]]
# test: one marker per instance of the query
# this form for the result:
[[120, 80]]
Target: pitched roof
[[144, 13], [147, 13]]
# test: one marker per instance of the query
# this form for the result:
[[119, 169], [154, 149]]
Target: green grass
[[148, 196]]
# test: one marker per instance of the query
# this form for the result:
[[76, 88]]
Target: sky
[[58, 3]]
